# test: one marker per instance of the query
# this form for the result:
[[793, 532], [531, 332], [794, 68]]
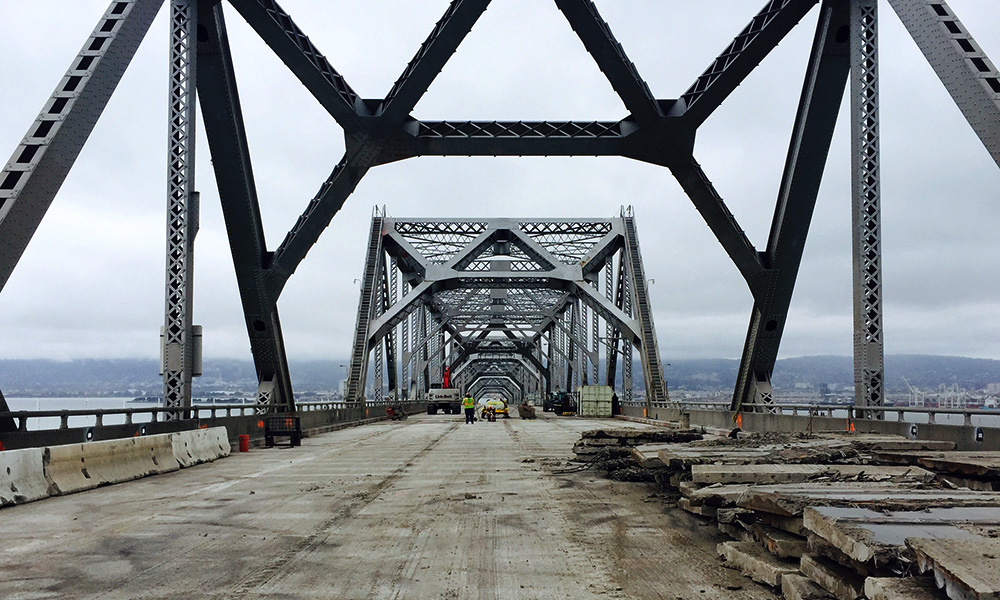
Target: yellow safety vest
[[468, 402]]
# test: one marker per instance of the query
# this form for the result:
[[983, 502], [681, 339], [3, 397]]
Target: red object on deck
[[244, 442]]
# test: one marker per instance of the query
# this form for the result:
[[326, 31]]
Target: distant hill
[[135, 377], [922, 371]]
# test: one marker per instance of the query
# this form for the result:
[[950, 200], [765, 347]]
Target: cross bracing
[[502, 322], [659, 131]]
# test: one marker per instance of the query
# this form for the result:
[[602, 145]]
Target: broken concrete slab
[[792, 499], [982, 485], [800, 587], [718, 495], [966, 569], [637, 437], [756, 563], [686, 488], [778, 542], [758, 474], [902, 588], [877, 537], [841, 582], [886, 441], [983, 465], [700, 510], [799, 473], [647, 457], [737, 532]]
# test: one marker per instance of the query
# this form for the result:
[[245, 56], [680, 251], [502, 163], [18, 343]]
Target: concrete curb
[[22, 477]]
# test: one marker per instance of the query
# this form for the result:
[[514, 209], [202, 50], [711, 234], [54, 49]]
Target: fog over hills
[[134, 377]]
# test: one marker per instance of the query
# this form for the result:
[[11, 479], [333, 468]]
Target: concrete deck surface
[[426, 508]]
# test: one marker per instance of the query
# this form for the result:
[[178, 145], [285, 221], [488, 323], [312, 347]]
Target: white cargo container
[[595, 400]]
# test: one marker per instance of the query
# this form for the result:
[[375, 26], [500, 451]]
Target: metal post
[[182, 209], [868, 350]]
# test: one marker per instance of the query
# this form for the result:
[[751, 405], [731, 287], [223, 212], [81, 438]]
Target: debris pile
[[843, 516], [525, 411], [610, 450]]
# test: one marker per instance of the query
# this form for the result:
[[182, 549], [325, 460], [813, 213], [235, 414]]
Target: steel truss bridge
[[660, 131], [512, 307]]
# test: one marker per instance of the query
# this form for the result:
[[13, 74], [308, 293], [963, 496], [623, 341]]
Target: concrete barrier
[[22, 477], [200, 445], [77, 467]]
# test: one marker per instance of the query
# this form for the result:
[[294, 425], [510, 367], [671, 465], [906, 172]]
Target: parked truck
[[447, 400]]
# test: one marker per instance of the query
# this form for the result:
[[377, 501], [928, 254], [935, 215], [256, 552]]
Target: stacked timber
[[844, 516]]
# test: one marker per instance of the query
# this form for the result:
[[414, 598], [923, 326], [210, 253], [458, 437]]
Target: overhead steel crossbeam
[[505, 292], [379, 131]]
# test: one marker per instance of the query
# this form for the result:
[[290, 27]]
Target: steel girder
[[507, 287], [822, 92], [966, 72], [222, 116], [40, 163], [658, 131]]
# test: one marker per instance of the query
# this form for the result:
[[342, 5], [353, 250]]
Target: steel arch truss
[[379, 131], [501, 300]]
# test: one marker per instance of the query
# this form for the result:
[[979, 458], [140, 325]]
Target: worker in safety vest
[[470, 409]]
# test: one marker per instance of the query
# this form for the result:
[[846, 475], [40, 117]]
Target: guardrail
[[827, 410], [35, 428], [96, 416]]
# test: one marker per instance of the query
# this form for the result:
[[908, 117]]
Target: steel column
[[869, 379], [182, 208]]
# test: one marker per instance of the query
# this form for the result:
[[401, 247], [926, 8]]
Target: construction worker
[[469, 404]]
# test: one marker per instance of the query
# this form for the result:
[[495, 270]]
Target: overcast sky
[[91, 283]]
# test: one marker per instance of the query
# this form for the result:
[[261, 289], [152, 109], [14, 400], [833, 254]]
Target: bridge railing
[[888, 413], [64, 419]]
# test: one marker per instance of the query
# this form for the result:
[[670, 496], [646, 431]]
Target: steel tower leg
[[869, 380], [182, 208], [223, 118], [815, 121]]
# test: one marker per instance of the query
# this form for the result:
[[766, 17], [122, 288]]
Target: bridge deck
[[427, 508]]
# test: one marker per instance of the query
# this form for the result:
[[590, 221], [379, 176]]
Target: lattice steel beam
[[719, 219], [740, 57], [960, 63], [182, 208], [41, 162], [609, 55], [869, 378], [444, 39], [293, 47]]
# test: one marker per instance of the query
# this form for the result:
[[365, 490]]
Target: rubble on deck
[[829, 515]]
